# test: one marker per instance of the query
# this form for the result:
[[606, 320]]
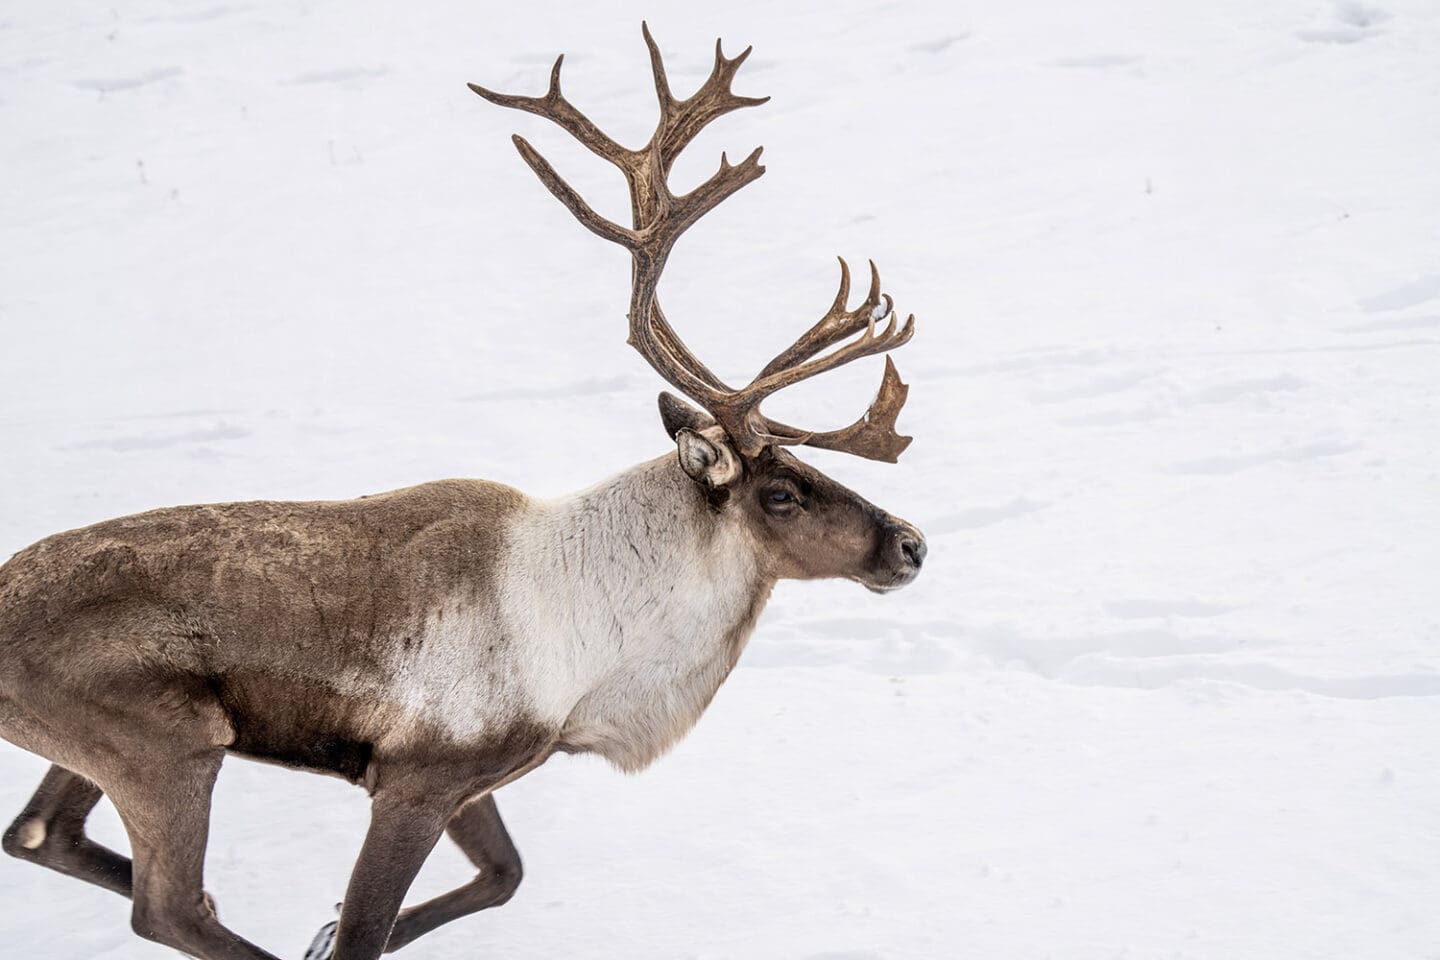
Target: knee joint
[[506, 877]]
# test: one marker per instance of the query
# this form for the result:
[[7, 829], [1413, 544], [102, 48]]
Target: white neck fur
[[629, 604]]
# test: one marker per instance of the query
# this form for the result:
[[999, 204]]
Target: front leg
[[477, 829], [406, 818], [403, 831]]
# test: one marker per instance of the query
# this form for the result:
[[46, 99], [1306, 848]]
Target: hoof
[[323, 946]]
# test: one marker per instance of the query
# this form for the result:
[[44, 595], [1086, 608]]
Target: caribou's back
[[288, 614]]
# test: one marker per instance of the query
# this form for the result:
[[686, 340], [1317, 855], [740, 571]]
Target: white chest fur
[[627, 606]]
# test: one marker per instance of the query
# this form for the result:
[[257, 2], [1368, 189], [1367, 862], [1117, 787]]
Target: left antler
[[659, 218]]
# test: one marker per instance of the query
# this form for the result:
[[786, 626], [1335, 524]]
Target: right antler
[[659, 217]]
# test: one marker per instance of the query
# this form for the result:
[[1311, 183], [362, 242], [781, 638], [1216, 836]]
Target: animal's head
[[805, 523]]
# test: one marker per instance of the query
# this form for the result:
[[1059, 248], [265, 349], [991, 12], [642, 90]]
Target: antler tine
[[837, 324], [682, 120], [873, 436], [554, 107], [657, 68], [866, 345], [576, 204], [721, 184]]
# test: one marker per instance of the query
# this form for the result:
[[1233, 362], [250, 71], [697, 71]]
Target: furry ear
[[677, 415], [709, 463]]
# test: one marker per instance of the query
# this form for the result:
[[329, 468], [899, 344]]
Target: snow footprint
[[106, 85], [1407, 295], [1237, 462], [939, 44], [1351, 23], [1099, 61]]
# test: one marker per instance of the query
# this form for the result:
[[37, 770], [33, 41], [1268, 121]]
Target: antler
[[659, 217]]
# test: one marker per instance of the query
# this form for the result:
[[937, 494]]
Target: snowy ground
[[1170, 685]]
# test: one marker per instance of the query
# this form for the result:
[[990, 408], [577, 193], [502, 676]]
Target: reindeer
[[435, 643]]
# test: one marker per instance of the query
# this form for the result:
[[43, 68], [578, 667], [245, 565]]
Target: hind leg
[[50, 831], [167, 816]]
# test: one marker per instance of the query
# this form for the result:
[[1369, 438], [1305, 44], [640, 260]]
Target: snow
[[1169, 686]]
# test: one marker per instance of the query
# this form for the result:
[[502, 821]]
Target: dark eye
[[781, 500]]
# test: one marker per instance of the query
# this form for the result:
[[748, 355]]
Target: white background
[[1169, 685]]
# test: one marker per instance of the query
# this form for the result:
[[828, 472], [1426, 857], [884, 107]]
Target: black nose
[[912, 548]]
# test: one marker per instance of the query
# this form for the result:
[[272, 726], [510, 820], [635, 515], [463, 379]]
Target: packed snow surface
[[1169, 686]]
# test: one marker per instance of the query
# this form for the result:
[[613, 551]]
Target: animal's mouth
[[890, 584]]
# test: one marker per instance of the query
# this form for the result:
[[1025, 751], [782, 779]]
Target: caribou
[[435, 643]]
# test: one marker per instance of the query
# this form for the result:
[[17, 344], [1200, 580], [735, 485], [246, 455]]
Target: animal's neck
[[643, 543], [648, 599]]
